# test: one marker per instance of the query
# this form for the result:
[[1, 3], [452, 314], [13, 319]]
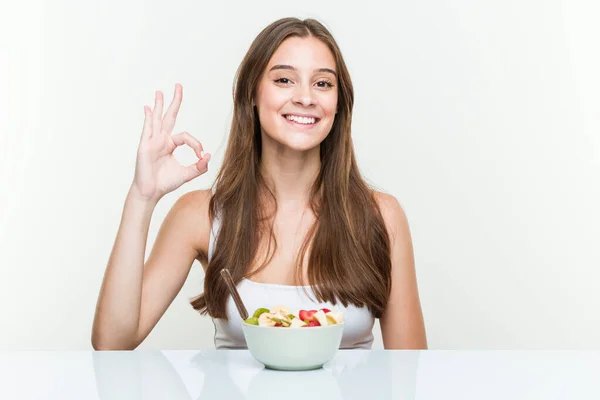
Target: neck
[[290, 174]]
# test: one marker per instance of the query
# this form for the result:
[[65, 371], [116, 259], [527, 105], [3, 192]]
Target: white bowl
[[293, 349]]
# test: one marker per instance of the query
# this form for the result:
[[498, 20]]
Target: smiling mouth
[[301, 121]]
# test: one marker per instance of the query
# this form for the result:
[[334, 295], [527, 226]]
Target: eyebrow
[[292, 68]]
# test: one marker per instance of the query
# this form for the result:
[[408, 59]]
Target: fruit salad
[[281, 317]]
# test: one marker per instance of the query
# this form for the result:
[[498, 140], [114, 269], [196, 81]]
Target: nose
[[303, 95]]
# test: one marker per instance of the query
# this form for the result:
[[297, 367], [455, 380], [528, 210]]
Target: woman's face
[[297, 94]]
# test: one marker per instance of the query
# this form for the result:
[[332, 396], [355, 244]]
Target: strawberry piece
[[306, 315], [325, 310], [303, 314], [311, 323]]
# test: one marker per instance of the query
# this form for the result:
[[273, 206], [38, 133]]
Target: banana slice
[[320, 316], [335, 317], [280, 310], [266, 319], [297, 323]]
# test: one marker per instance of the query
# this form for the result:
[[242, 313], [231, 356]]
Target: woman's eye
[[320, 84], [325, 84]]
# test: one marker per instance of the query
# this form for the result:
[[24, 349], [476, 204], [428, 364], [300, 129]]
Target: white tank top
[[358, 321]]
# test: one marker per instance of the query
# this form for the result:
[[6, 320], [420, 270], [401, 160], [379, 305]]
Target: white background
[[482, 118]]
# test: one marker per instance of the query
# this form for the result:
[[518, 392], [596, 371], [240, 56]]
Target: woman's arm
[[134, 295], [402, 324]]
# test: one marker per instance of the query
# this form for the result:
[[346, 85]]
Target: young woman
[[289, 215]]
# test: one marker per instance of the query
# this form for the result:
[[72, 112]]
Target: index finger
[[171, 114]]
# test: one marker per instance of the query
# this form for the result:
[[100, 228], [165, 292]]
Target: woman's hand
[[157, 172]]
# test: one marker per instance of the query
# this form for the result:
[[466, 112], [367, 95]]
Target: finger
[[203, 162], [157, 113], [193, 171], [147, 129], [171, 114], [185, 138]]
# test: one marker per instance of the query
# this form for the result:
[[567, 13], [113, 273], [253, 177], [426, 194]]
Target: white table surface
[[352, 374]]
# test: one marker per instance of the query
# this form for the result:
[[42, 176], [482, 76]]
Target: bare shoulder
[[393, 214], [194, 201], [190, 214]]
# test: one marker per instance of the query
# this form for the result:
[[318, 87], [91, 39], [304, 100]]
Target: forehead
[[303, 53]]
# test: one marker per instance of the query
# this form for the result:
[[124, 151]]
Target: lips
[[302, 116], [299, 124]]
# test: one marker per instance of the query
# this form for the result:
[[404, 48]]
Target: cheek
[[268, 111], [272, 99], [330, 105]]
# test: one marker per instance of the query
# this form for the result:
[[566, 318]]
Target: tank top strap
[[214, 231]]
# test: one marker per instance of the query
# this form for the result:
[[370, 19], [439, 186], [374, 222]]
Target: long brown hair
[[349, 258]]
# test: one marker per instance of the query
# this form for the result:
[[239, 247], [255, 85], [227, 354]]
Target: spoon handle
[[234, 293]]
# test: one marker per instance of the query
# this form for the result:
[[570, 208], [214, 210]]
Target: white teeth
[[301, 120]]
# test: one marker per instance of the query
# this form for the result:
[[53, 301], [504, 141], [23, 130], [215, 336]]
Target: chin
[[298, 140], [303, 147], [302, 141]]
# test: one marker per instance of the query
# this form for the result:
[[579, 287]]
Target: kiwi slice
[[260, 311]]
